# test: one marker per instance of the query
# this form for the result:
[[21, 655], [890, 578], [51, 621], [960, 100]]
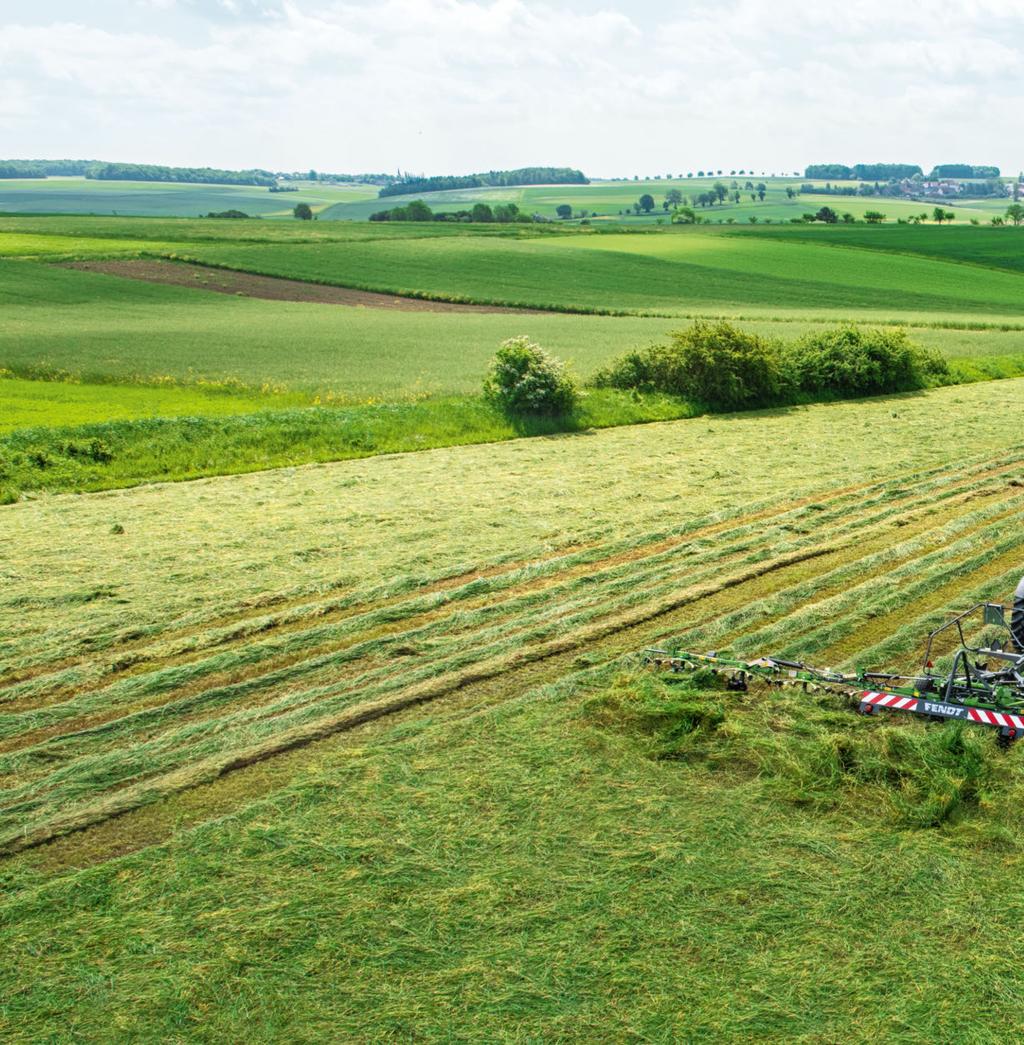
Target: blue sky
[[455, 85]]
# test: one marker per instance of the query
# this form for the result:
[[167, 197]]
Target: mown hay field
[[276, 605], [368, 715]]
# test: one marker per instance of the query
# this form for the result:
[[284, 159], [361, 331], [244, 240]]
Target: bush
[[714, 363], [524, 379], [728, 369], [848, 361]]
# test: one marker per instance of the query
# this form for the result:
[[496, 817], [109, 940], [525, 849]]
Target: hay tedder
[[983, 684]]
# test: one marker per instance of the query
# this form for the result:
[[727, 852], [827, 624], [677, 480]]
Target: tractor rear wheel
[[1017, 620]]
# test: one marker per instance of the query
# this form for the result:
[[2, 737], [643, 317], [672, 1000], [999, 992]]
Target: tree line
[[417, 210], [862, 171], [896, 171], [520, 176], [103, 171], [44, 168]]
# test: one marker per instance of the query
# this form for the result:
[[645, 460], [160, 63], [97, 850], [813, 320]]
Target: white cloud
[[444, 85]]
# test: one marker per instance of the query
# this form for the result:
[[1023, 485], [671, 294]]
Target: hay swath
[[983, 685]]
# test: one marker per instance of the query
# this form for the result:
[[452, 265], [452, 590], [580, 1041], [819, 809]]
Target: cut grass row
[[703, 542]]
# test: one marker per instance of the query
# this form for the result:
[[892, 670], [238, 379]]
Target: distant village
[[951, 181]]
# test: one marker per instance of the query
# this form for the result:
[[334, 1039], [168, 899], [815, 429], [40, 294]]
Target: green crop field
[[678, 273], [360, 750], [105, 328], [125, 344], [607, 201], [91, 196]]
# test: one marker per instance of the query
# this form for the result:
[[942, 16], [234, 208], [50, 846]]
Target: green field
[[136, 352], [160, 199], [108, 329], [358, 751], [607, 201], [913, 273]]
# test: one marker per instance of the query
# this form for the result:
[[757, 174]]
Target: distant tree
[[313, 176], [827, 215], [646, 202], [735, 197], [720, 190], [939, 215], [481, 212], [753, 197], [673, 197], [700, 174], [418, 211], [998, 220], [506, 212], [874, 217], [1015, 212], [790, 192], [683, 216], [761, 190], [749, 186], [303, 211], [564, 211], [752, 219], [848, 218]]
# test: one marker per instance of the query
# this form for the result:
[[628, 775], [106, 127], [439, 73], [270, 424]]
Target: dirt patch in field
[[272, 288]]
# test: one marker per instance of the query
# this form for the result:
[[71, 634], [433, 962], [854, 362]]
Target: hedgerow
[[725, 368]]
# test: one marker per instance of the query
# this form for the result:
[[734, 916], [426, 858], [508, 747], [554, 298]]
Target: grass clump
[[525, 380], [808, 750], [667, 718], [725, 368]]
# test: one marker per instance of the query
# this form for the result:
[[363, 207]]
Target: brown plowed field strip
[[273, 288]]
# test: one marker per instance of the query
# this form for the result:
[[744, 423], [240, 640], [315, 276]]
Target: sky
[[453, 86]]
